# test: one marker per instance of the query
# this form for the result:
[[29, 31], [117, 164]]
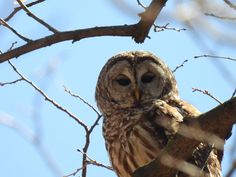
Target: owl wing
[[169, 115]]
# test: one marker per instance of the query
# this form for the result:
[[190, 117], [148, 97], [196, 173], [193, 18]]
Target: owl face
[[133, 78]]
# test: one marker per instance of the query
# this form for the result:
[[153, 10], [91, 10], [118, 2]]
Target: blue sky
[[77, 66]]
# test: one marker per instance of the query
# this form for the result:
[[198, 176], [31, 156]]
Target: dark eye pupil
[[147, 77], [123, 81]]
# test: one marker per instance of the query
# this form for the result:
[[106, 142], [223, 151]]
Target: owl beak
[[137, 94]]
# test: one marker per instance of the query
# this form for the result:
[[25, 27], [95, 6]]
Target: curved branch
[[212, 127]]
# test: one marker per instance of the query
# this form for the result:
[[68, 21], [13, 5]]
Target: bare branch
[[47, 98], [85, 162], [205, 92], [141, 4], [75, 35], [137, 31], [220, 17], [74, 173], [12, 46], [179, 66], [4, 23], [158, 28], [215, 56], [11, 82], [19, 8], [29, 13], [87, 130], [94, 162], [86, 146], [83, 100]]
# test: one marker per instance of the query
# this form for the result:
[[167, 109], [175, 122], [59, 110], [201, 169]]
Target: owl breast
[[130, 140]]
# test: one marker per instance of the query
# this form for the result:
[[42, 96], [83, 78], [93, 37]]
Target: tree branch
[[137, 31], [205, 128], [74, 35], [147, 20]]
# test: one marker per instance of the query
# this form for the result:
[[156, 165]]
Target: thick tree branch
[[212, 127], [137, 31], [74, 35]]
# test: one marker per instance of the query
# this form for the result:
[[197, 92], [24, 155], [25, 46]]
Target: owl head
[[131, 79]]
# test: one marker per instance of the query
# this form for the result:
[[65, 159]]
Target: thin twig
[[4, 23], [220, 17], [141, 4], [87, 130], [88, 133], [95, 123], [158, 28], [12, 46], [74, 173], [29, 13], [11, 82], [215, 56], [19, 8], [179, 66], [147, 20], [94, 162], [230, 4], [85, 162], [83, 100], [205, 92], [86, 146], [47, 98]]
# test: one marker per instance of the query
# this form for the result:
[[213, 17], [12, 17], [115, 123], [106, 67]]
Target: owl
[[138, 97]]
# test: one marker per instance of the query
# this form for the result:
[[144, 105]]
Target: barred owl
[[137, 93]]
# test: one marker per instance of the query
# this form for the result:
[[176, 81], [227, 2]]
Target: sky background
[[77, 67]]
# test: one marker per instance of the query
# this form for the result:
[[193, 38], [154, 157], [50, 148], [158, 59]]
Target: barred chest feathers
[[129, 141]]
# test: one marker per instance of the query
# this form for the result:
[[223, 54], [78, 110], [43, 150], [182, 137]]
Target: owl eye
[[123, 80], [147, 77]]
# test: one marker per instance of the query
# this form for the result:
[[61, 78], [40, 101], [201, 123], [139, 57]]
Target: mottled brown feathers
[[138, 96]]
